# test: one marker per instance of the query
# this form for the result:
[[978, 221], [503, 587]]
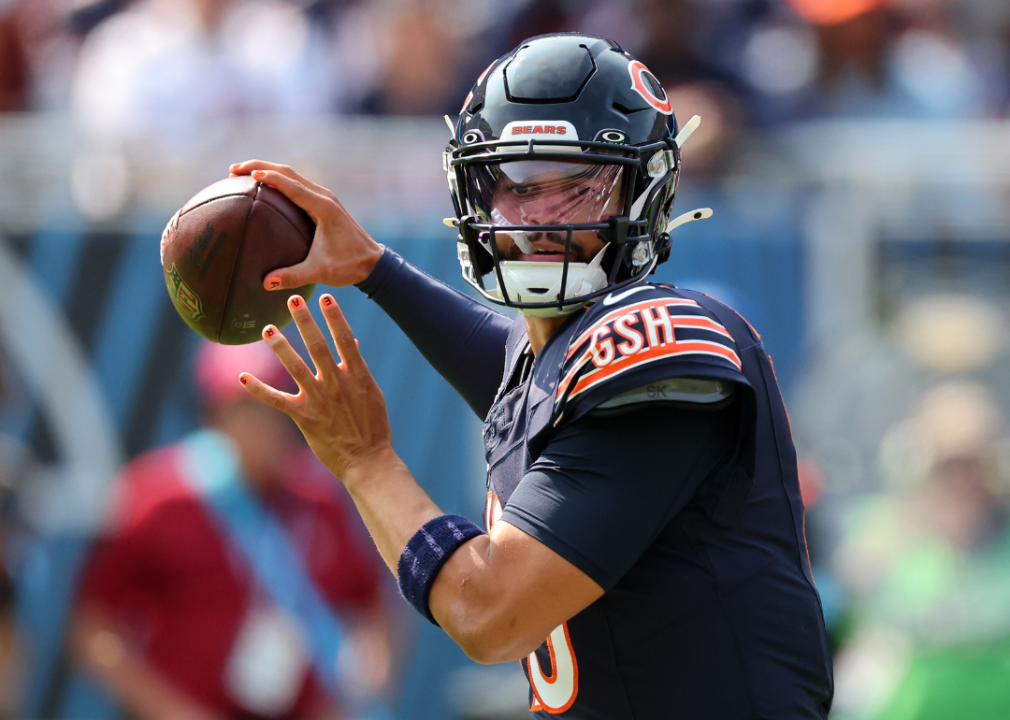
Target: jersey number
[[555, 692]]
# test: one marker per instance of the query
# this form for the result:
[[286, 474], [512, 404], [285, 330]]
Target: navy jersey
[[691, 521], [711, 613]]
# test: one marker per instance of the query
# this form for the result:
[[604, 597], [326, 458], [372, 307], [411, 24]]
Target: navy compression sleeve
[[463, 339]]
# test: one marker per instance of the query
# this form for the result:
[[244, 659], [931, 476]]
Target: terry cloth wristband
[[425, 555]]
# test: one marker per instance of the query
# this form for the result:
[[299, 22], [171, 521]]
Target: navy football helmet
[[567, 136]]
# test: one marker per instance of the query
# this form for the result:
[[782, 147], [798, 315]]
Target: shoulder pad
[[638, 336]]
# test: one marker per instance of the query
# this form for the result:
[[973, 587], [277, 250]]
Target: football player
[[643, 552]]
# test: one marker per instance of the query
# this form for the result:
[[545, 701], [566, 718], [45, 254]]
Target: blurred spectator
[[13, 61], [419, 57], [713, 146], [892, 58], [986, 27], [211, 592], [541, 18], [14, 463], [927, 564], [688, 41], [177, 68], [48, 44]]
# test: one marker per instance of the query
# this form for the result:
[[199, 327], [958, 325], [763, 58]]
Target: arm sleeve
[[463, 339], [606, 485]]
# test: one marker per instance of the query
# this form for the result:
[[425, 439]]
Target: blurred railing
[[385, 170]]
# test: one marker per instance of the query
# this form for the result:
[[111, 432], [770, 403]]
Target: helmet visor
[[546, 192]]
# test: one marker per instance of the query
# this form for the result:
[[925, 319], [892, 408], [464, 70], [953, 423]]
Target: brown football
[[217, 250]]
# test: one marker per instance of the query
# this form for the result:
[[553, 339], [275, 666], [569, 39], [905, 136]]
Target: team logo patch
[[634, 335], [645, 84], [539, 130], [185, 299]]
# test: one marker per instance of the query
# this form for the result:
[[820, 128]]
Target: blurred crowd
[[912, 561], [230, 576], [129, 66]]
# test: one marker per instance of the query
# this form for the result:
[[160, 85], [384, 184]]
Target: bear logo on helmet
[[645, 84]]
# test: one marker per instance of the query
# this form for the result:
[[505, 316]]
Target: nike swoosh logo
[[611, 299]]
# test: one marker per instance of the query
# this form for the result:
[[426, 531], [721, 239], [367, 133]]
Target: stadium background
[[856, 154]]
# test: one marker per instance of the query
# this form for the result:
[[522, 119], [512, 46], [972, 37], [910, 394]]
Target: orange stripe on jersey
[[638, 334], [625, 309], [699, 322], [693, 347], [567, 379]]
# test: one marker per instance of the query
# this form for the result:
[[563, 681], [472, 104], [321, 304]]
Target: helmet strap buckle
[[663, 247], [617, 233]]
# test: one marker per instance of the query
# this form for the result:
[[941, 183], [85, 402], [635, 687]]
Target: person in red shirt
[[171, 617]]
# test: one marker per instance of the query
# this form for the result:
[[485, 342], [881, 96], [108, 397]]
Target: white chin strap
[[541, 282]]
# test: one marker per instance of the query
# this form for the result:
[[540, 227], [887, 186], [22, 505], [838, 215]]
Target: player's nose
[[538, 211]]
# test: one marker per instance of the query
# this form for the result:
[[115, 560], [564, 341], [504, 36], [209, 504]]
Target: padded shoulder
[[634, 337]]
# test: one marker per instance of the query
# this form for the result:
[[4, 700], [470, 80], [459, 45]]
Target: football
[[217, 250]]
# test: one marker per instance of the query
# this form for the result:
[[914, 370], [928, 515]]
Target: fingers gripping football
[[339, 408], [342, 253], [250, 166]]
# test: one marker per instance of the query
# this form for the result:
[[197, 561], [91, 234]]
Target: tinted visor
[[545, 192]]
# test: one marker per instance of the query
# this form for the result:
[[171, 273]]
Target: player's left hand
[[339, 408]]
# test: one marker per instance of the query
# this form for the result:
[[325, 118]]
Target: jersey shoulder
[[638, 336]]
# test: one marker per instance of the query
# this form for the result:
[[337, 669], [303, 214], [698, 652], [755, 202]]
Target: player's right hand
[[342, 253]]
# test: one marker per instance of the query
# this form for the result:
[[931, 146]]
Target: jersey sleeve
[[463, 339], [606, 485], [642, 339]]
